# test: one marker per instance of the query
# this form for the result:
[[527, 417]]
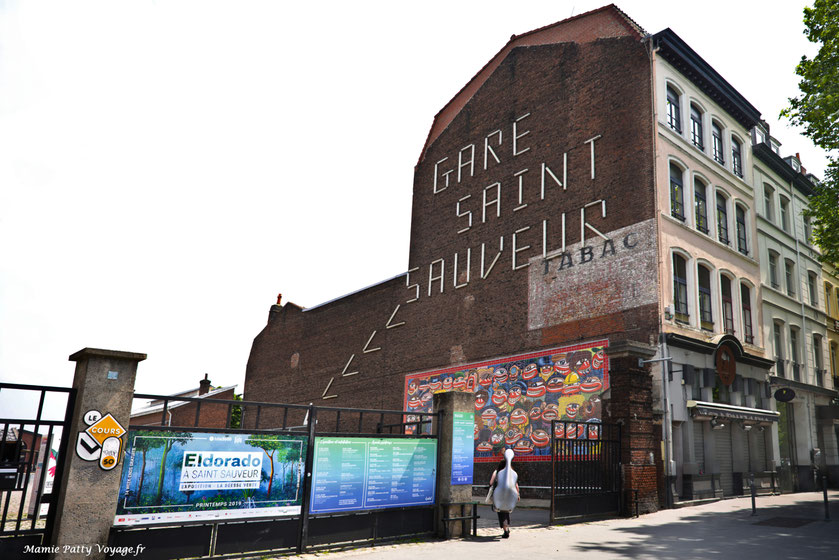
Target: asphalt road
[[788, 527]]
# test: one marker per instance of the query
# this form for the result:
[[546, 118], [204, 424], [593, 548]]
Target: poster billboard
[[463, 450], [176, 476], [372, 473], [517, 397]]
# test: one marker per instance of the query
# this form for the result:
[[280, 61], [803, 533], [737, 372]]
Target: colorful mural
[[517, 397]]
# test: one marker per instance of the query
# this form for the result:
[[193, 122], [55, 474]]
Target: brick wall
[[523, 138]]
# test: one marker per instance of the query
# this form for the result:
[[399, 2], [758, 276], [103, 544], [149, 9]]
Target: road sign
[[87, 448], [104, 428]]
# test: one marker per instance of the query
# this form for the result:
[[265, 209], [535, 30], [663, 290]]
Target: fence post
[[89, 488], [307, 482], [455, 407]]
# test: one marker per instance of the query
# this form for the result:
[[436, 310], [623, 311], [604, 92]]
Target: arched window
[[677, 197], [778, 332], [716, 135], [700, 190], [811, 287], [789, 275], [706, 316], [727, 304], [736, 157], [784, 213], [817, 360], [696, 133], [680, 289], [674, 110], [793, 353], [722, 219], [746, 309], [740, 221], [774, 280]]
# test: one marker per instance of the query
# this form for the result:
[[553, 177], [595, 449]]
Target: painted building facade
[[793, 316], [543, 235]]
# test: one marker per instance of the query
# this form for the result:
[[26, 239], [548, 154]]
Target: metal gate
[[586, 469], [30, 469], [280, 534]]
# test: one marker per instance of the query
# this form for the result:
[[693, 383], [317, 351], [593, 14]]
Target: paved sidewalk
[[788, 527]]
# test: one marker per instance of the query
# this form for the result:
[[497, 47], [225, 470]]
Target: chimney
[[204, 386]]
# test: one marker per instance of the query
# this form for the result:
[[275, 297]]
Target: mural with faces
[[516, 398]]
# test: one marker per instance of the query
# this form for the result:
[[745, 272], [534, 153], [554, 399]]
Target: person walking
[[505, 495]]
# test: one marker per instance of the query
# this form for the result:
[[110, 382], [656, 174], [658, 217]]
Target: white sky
[[167, 168]]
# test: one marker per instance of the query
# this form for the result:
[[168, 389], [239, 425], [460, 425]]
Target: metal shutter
[[722, 453], [699, 445], [758, 462]]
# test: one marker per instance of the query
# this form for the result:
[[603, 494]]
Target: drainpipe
[[666, 367], [663, 351]]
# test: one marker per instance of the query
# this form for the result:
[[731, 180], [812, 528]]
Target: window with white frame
[[811, 289], [817, 360], [778, 329], [706, 315], [680, 288], [736, 157], [789, 275], [700, 190], [808, 230], [674, 109], [696, 133], [827, 299], [746, 310], [722, 219], [774, 259], [768, 202], [793, 353], [727, 304], [784, 213], [716, 136], [677, 195], [740, 223]]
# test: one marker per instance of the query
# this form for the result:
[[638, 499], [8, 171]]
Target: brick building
[[540, 269], [187, 412]]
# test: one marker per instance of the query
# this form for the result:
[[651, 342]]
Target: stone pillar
[[631, 405], [448, 492], [87, 499]]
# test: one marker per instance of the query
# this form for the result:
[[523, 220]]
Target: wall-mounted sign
[[463, 448], [784, 394], [101, 441], [517, 397], [175, 476], [372, 473], [726, 365]]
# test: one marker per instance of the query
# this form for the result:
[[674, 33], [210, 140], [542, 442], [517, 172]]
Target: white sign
[[87, 448], [220, 470]]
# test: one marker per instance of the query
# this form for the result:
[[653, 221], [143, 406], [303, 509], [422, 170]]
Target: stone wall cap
[[630, 348], [86, 353]]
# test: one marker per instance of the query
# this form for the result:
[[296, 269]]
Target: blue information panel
[[372, 473], [463, 447]]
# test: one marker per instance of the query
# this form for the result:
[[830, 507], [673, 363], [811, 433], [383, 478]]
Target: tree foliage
[[824, 208], [817, 110]]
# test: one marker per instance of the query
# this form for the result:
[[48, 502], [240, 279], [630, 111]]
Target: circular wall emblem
[[784, 394], [726, 366]]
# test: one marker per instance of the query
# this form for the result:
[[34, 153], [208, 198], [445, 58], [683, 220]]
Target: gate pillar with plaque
[[104, 384], [455, 452]]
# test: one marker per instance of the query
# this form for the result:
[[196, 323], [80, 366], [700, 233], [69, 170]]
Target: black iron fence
[[30, 467], [585, 469], [277, 534]]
